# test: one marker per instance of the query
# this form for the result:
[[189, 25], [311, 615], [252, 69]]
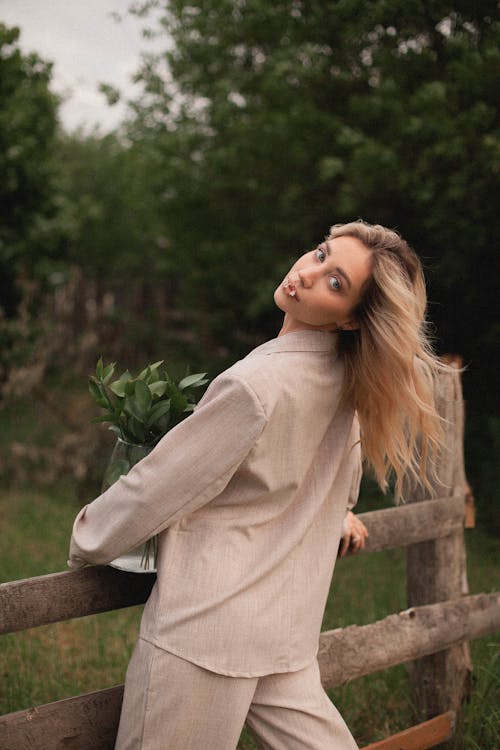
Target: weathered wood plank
[[90, 722], [436, 570], [354, 651], [61, 596], [87, 722], [420, 737], [416, 522]]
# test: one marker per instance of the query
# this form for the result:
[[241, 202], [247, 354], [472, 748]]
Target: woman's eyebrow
[[338, 269], [342, 273]]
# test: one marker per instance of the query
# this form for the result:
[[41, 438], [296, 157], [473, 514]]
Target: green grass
[[68, 658]]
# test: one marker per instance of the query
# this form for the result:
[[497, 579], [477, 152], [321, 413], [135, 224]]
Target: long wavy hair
[[390, 368]]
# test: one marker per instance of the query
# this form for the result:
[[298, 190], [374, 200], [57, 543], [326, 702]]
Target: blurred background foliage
[[259, 126]]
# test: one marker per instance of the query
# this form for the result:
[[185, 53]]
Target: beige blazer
[[248, 494]]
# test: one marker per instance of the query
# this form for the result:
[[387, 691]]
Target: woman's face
[[324, 286]]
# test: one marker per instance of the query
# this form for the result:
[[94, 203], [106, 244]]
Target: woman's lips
[[290, 288]]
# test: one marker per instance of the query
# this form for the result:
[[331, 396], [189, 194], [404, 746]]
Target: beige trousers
[[171, 704]]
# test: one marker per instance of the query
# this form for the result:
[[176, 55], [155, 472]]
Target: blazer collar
[[301, 341]]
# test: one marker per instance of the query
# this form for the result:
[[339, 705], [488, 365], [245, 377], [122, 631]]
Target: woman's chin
[[280, 299]]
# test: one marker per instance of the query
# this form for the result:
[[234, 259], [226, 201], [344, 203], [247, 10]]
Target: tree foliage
[[274, 120], [27, 130], [260, 125], [109, 208]]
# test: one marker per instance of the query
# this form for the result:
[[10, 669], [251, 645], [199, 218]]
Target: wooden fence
[[432, 634]]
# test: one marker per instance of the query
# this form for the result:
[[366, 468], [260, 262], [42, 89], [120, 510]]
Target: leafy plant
[[141, 409]]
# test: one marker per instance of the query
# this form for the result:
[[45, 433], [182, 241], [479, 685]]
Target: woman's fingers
[[360, 533], [344, 545], [355, 535]]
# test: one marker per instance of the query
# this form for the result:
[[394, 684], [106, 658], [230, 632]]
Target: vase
[[141, 559]]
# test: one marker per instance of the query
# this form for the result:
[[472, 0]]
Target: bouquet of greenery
[[140, 410]]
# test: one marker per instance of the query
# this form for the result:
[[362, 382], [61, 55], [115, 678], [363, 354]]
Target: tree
[[110, 208], [273, 120], [28, 122], [28, 204]]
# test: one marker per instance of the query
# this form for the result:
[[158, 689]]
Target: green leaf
[[201, 382], [145, 374], [143, 397], [99, 369], [95, 391], [118, 408], [179, 402], [141, 410], [164, 424], [108, 373], [150, 373], [158, 411], [158, 389], [192, 380], [130, 407], [129, 387], [138, 430], [118, 388], [103, 418], [98, 391], [149, 370]]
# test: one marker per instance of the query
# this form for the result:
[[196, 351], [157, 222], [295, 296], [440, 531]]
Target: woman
[[252, 495]]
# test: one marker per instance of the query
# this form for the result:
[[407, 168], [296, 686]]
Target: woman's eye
[[334, 283], [320, 254]]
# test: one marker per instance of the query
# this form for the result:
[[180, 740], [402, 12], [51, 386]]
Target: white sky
[[87, 46]]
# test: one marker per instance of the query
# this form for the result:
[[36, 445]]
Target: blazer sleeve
[[356, 482], [190, 466], [358, 467]]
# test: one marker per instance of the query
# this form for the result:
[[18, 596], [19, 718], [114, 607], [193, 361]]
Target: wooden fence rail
[[89, 721], [61, 596], [357, 650], [344, 654], [432, 634]]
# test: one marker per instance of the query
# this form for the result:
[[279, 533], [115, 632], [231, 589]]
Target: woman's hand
[[354, 534]]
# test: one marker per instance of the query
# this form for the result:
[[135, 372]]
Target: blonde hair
[[390, 367]]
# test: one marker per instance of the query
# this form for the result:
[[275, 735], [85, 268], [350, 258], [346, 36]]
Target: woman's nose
[[308, 276]]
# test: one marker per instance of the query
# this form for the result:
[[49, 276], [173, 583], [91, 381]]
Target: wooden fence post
[[436, 570]]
